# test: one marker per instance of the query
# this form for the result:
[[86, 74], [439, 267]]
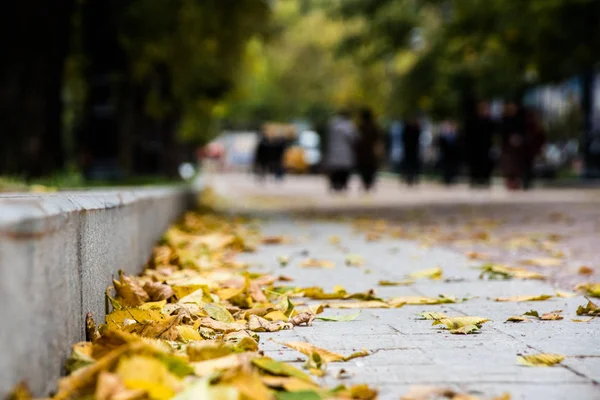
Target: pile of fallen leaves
[[187, 327]]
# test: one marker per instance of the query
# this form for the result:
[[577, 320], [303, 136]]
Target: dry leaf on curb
[[259, 324], [316, 263], [158, 291], [540, 360], [590, 309], [540, 297], [585, 270], [431, 273], [552, 316], [405, 282], [302, 318], [495, 271], [459, 322], [130, 292], [326, 355], [218, 312]]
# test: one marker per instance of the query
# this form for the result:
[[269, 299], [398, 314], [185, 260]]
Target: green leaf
[[340, 318], [300, 395], [279, 368], [218, 312]]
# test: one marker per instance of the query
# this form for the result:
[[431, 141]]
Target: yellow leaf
[[459, 322], [158, 291], [148, 374], [356, 304], [563, 294], [544, 262], [354, 260], [288, 383], [552, 316], [203, 389], [188, 334], [590, 289], [208, 350], [419, 300], [326, 355], [110, 387], [540, 360], [431, 273], [433, 315], [165, 329], [228, 362], [540, 297], [259, 324], [316, 263], [589, 309], [582, 319], [496, 271], [223, 327], [184, 290], [218, 312], [276, 315], [465, 330], [117, 319], [249, 385], [406, 282], [81, 356], [334, 240], [280, 369], [130, 292], [153, 305]]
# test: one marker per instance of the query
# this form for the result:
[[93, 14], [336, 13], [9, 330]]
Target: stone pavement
[[407, 351]]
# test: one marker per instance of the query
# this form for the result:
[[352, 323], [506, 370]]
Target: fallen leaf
[[585, 270], [540, 360], [326, 355], [405, 282], [231, 361], [543, 262], [130, 292], [110, 387], [473, 255], [224, 327], [276, 315], [274, 240], [431, 273], [540, 297], [340, 318], [356, 304], [148, 374], [590, 289], [582, 319], [259, 324], [303, 318], [202, 389], [563, 294], [280, 368], [283, 261], [158, 291], [218, 312], [432, 315], [419, 300], [188, 333], [495, 271], [532, 313], [459, 322], [315, 365], [589, 309], [316, 263], [518, 318], [334, 240], [465, 330], [552, 316], [81, 356]]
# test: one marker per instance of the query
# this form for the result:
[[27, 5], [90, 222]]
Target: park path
[[407, 351]]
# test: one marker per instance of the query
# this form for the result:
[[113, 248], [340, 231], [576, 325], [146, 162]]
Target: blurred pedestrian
[[340, 159], [411, 143], [479, 131], [395, 146], [261, 155], [449, 152], [535, 138], [514, 147], [368, 148]]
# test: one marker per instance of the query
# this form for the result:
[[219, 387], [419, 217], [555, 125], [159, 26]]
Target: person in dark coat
[[411, 142], [514, 146], [449, 153], [367, 146], [261, 155], [479, 132]]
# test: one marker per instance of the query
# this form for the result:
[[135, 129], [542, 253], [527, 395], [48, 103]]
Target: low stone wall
[[58, 253]]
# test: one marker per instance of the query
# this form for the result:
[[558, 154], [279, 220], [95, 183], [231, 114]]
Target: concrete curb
[[58, 253]]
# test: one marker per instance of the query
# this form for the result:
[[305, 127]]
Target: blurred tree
[[34, 37]]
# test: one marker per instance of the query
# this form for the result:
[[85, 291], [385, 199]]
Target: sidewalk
[[407, 351]]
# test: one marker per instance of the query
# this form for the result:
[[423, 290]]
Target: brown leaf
[[158, 291], [585, 270], [552, 316], [129, 291], [303, 318], [274, 240], [316, 263], [258, 324], [223, 327]]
